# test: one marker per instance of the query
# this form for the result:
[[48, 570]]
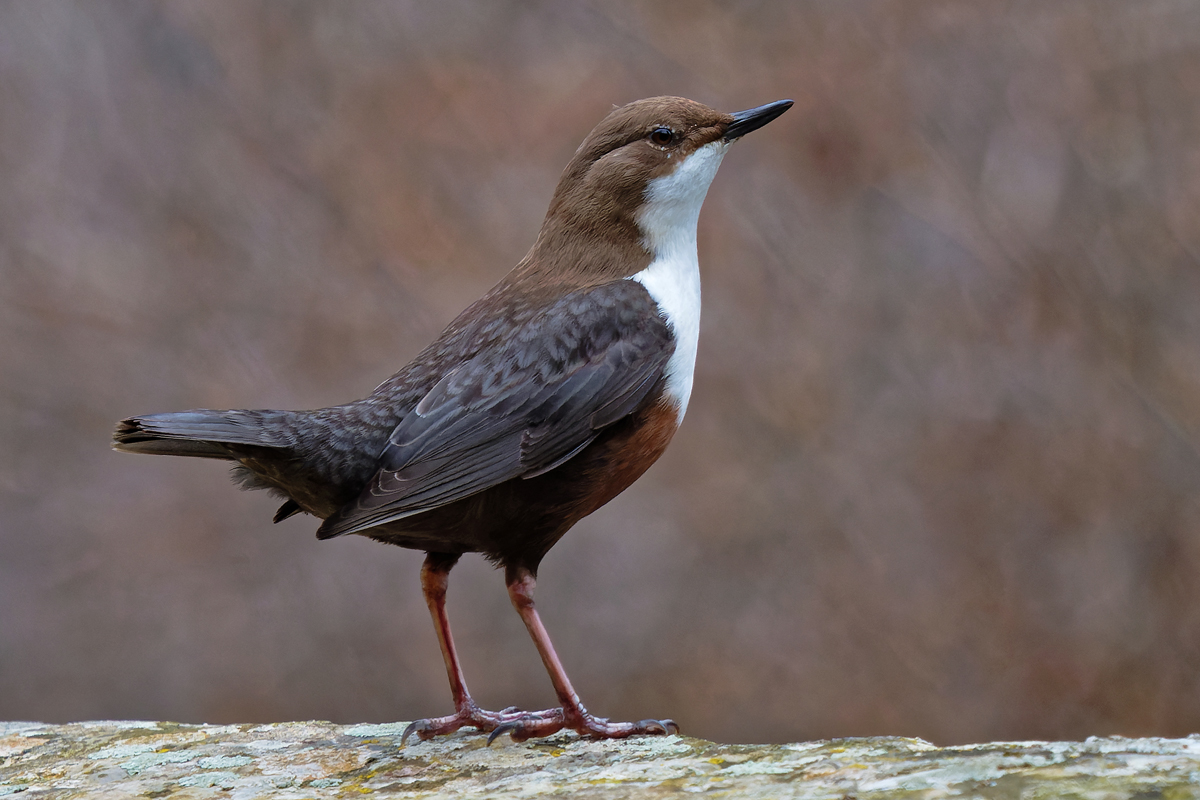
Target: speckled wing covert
[[519, 407]]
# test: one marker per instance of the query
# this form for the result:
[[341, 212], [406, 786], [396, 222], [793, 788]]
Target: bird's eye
[[662, 136]]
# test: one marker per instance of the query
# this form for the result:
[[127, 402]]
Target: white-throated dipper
[[541, 402]]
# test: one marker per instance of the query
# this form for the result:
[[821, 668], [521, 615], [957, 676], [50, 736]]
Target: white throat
[[668, 223]]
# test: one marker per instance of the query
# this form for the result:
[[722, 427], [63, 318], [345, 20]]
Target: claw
[[652, 724], [502, 729], [412, 728]]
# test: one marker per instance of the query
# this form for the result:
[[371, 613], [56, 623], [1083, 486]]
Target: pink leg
[[435, 577], [435, 573], [572, 715]]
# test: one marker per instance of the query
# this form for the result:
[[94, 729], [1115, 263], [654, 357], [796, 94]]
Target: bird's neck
[[582, 250]]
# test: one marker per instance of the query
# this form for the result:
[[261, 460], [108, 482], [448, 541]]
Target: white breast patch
[[668, 223]]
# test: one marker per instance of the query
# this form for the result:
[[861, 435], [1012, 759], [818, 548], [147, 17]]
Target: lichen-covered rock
[[319, 759]]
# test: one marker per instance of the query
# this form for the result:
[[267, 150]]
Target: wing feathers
[[520, 407]]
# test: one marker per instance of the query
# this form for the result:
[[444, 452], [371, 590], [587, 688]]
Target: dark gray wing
[[521, 406]]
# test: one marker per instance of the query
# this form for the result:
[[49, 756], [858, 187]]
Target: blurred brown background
[[939, 474]]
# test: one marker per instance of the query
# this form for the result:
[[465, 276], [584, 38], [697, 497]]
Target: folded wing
[[522, 405]]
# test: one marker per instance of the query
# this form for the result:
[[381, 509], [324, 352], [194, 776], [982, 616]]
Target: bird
[[538, 404]]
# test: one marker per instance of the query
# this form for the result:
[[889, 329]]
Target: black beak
[[755, 118]]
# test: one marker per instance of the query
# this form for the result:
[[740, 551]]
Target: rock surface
[[320, 759]]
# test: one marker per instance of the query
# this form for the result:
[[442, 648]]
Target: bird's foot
[[469, 715], [545, 723]]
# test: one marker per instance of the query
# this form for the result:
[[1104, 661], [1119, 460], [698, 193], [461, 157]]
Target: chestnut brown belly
[[518, 521]]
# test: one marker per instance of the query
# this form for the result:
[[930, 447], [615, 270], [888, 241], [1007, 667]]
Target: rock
[[320, 759]]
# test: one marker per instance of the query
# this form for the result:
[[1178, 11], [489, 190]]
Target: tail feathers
[[200, 433]]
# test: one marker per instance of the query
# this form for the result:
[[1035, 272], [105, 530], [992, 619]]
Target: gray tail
[[201, 433]]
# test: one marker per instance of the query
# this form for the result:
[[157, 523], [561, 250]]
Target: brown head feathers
[[590, 234]]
